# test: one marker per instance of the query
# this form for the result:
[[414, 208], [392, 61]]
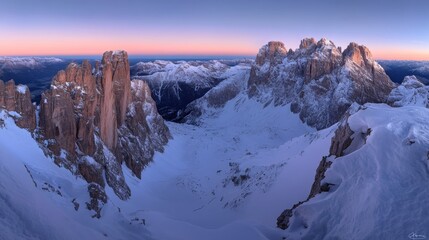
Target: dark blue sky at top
[[382, 25]]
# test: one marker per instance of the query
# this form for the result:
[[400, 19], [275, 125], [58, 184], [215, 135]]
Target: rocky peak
[[120, 68], [92, 122], [320, 82], [18, 99], [410, 92], [358, 54], [412, 82], [307, 42], [273, 52], [325, 42]]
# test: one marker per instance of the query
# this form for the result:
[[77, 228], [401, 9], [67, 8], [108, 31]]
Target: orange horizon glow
[[44, 46], [75, 46]]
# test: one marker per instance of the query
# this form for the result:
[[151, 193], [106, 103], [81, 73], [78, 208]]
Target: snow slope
[[175, 84], [220, 180], [36, 196], [410, 92], [381, 189], [229, 177]]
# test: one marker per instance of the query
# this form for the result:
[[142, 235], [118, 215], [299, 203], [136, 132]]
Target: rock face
[[410, 92], [340, 142], [175, 84], [318, 80], [218, 96], [18, 99], [273, 53], [92, 121]]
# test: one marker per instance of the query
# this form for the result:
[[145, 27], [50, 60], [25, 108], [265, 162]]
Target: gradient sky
[[392, 29]]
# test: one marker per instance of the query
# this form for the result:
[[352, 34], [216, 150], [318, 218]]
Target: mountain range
[[312, 143]]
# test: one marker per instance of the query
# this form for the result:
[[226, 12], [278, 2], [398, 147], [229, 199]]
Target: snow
[[36, 196], [227, 178], [189, 187], [29, 62], [22, 88], [380, 189], [410, 92], [199, 73], [231, 176]]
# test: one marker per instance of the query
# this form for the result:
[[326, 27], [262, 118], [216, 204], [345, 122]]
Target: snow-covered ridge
[[410, 92], [196, 72], [29, 62], [175, 84], [39, 200], [379, 189]]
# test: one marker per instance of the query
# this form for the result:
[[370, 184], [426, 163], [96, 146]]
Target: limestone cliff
[[318, 80], [18, 99], [92, 120]]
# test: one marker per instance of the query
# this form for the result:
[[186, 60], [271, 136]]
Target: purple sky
[[391, 29]]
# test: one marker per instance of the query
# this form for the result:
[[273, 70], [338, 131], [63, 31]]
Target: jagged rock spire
[[318, 80], [18, 99]]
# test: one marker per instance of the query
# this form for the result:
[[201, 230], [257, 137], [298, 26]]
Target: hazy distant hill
[[397, 70]]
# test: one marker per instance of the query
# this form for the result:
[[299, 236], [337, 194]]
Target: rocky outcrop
[[144, 131], [92, 121], [411, 92], [307, 42], [269, 56], [318, 80], [18, 99], [273, 53], [341, 140]]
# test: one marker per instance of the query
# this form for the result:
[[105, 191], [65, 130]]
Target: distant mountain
[[318, 81], [318, 138], [397, 70], [175, 84], [90, 121], [36, 72]]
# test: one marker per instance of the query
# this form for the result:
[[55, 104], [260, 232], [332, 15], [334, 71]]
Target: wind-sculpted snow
[[379, 189], [410, 92]]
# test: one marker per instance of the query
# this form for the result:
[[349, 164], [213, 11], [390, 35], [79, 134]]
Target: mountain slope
[[38, 200], [231, 175], [318, 79], [378, 187], [175, 84]]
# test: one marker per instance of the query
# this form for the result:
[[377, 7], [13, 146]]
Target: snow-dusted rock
[[175, 84], [28, 62], [92, 121], [378, 189], [410, 92], [18, 99], [319, 80], [218, 96]]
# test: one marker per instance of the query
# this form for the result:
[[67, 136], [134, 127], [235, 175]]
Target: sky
[[391, 29]]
